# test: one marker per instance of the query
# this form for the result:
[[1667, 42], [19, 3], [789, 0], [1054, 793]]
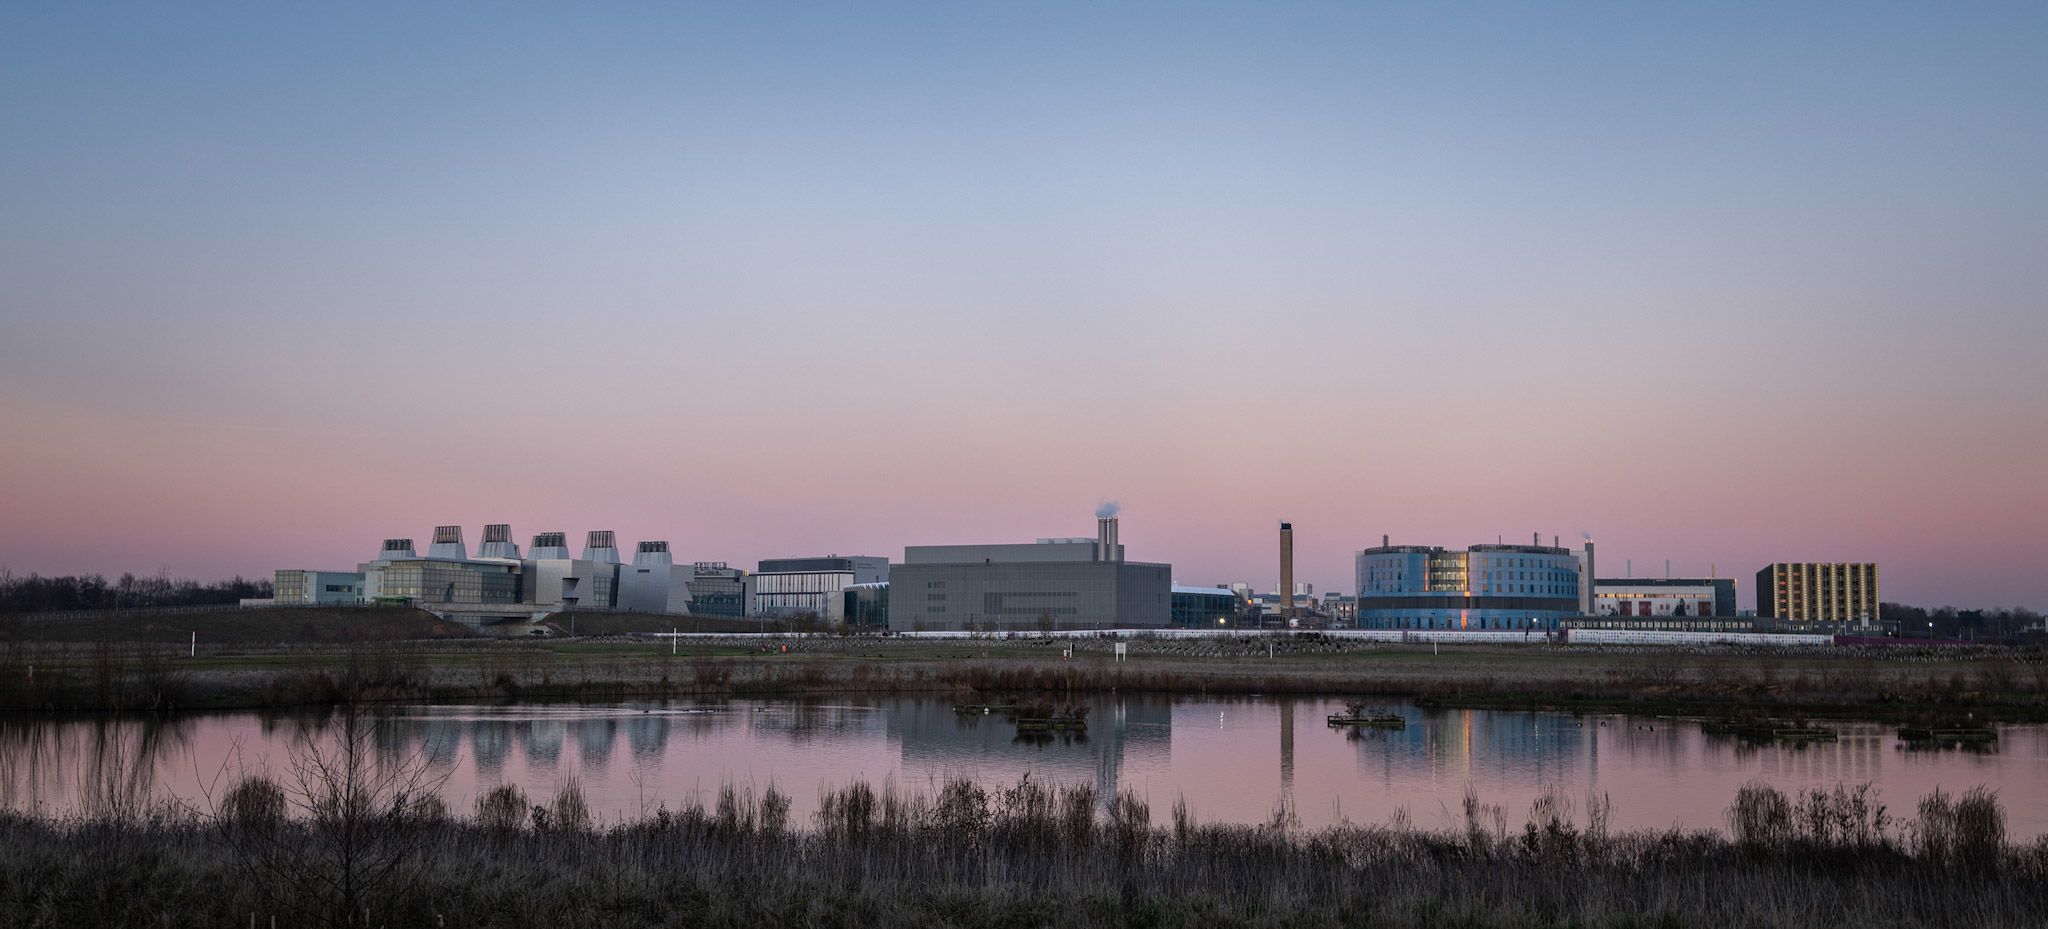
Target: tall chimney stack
[[1286, 570], [1106, 546], [1587, 580]]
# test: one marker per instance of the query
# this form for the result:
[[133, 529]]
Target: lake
[[1230, 759]]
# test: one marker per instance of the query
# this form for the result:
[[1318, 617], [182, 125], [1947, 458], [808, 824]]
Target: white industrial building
[[811, 586], [499, 584]]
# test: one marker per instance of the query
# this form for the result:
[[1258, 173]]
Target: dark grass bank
[[1904, 684]]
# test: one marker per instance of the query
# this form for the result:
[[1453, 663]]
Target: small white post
[[674, 633], [195, 645]]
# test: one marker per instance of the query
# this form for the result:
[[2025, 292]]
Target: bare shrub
[[1842, 817], [847, 813], [568, 812], [255, 803], [774, 811], [1761, 818], [1968, 832], [502, 808], [1130, 824]]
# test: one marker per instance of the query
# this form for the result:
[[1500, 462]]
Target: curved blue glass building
[[1484, 587]]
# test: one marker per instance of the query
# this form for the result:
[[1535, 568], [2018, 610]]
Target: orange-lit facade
[[1818, 593]]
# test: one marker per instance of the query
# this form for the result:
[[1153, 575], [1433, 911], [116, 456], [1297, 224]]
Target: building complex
[[1054, 583]]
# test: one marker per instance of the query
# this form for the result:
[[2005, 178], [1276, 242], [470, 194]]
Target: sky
[[1723, 284]]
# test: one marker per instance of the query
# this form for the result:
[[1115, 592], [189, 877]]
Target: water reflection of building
[[594, 739], [1857, 756], [440, 741], [1120, 731], [647, 735], [541, 739], [818, 721], [490, 741], [1535, 746]]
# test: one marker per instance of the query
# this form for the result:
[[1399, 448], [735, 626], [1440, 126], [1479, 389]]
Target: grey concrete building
[[1074, 583]]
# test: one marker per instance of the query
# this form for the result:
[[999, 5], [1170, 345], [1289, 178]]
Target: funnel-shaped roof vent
[[652, 553], [395, 549], [599, 547], [549, 546], [498, 542], [448, 544]]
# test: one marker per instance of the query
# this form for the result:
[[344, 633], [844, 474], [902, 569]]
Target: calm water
[[1232, 760]]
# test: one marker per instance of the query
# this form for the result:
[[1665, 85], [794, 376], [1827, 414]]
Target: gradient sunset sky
[[1718, 283]]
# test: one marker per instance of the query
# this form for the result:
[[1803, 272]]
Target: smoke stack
[[448, 544], [1535, 540], [652, 554], [1667, 569], [396, 550], [1384, 540], [1588, 577], [549, 546], [498, 542], [1106, 546], [1286, 570], [599, 546]]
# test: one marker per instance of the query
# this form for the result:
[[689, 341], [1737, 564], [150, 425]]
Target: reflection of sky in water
[[1231, 760]]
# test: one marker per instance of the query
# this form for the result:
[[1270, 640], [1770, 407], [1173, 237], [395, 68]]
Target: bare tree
[[354, 823]]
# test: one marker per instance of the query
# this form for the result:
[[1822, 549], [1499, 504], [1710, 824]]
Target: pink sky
[[1719, 286]]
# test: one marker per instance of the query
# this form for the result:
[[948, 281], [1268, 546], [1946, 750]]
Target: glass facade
[[292, 586], [449, 582], [1483, 588], [1203, 608], [867, 605], [717, 590]]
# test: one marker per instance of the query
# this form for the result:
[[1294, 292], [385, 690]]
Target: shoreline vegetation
[[347, 839], [329, 657]]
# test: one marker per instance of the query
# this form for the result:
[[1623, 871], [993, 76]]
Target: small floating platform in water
[[1369, 720], [1948, 734], [1771, 732], [1051, 723]]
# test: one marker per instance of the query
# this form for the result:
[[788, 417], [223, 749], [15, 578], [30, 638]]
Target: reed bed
[[1025, 854]]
